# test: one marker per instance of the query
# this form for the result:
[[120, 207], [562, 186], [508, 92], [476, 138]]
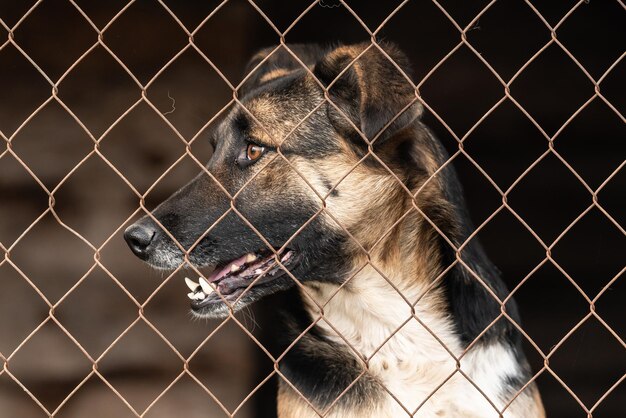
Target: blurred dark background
[[97, 204]]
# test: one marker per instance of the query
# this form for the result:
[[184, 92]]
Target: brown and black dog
[[349, 206]]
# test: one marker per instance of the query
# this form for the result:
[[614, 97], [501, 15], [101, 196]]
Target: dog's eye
[[250, 154], [254, 152]]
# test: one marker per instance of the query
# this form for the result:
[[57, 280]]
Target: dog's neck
[[388, 299], [384, 319], [403, 345], [408, 347]]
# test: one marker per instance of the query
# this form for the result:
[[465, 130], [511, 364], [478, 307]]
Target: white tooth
[[199, 296], [191, 295], [234, 268], [250, 258], [191, 284], [206, 287], [258, 271]]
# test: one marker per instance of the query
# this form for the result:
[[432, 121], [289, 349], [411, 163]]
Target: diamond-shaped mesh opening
[[49, 365], [186, 168], [140, 359], [298, 228], [586, 340], [95, 296], [64, 44], [505, 156], [483, 191], [144, 63], [189, 92], [100, 189], [55, 272], [500, 236], [39, 142], [344, 382], [562, 317], [151, 151], [563, 86], [594, 248], [448, 91], [98, 90], [593, 164], [138, 278], [102, 124], [200, 145], [551, 192]]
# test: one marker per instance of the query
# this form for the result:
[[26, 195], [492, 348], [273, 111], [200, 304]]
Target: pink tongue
[[218, 274], [262, 264]]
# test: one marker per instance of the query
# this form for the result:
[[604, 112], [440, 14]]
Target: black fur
[[369, 112], [314, 362], [473, 307]]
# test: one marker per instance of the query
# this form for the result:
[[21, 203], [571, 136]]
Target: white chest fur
[[413, 356]]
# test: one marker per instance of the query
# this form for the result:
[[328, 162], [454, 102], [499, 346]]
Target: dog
[[325, 183]]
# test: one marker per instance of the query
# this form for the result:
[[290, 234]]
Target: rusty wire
[[373, 33]]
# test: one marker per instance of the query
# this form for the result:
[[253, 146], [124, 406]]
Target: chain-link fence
[[106, 109]]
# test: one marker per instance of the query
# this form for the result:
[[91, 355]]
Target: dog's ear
[[370, 90], [261, 69]]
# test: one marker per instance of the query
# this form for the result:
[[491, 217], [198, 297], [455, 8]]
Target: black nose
[[139, 236]]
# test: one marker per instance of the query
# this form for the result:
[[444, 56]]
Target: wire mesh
[[56, 83]]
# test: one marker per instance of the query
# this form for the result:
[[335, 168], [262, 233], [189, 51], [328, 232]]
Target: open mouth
[[229, 280]]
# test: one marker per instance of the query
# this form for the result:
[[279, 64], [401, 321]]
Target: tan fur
[[536, 405], [528, 404], [272, 75], [290, 404]]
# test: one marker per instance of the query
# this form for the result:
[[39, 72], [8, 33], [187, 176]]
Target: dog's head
[[293, 189]]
